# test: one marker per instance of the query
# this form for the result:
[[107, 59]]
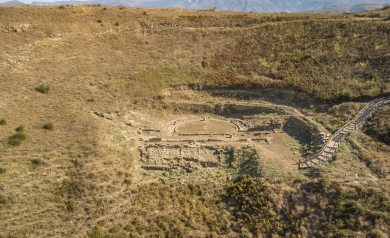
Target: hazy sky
[[30, 1]]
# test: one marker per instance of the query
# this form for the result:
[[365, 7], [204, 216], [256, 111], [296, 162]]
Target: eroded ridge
[[334, 141]]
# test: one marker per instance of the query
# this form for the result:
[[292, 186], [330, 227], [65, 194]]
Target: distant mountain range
[[233, 5], [351, 9]]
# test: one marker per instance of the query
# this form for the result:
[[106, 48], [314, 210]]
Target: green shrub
[[16, 139], [71, 188], [48, 126], [96, 232], [115, 229], [2, 170], [3, 122], [61, 7], [43, 89], [116, 23], [99, 21], [90, 100], [36, 161], [69, 206], [3, 199], [127, 181], [129, 228], [375, 15], [19, 129]]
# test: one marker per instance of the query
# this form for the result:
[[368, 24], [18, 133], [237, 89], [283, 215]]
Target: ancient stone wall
[[183, 157]]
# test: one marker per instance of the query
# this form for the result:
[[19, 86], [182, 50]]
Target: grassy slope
[[331, 59], [80, 185]]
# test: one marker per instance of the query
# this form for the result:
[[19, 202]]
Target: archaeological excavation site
[[229, 138], [218, 137]]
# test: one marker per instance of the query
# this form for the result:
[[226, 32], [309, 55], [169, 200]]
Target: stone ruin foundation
[[188, 144], [187, 158]]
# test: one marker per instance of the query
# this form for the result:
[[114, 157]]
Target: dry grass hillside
[[68, 172]]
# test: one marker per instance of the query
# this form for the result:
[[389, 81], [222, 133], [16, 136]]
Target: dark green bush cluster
[[19, 129], [3, 199], [375, 15], [2, 170], [349, 211], [43, 89], [16, 139], [49, 126], [378, 126], [3, 122], [37, 161], [71, 188], [251, 201], [127, 181]]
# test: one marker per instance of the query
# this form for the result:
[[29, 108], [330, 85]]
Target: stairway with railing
[[329, 149]]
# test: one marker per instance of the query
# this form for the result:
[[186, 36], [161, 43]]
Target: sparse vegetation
[[3, 170], [3, 122], [16, 139], [43, 89], [127, 181], [252, 202], [96, 232], [287, 65], [19, 129], [36, 161], [99, 21], [378, 126], [48, 126], [70, 206], [3, 199]]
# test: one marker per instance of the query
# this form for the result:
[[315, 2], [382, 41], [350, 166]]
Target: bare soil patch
[[206, 126]]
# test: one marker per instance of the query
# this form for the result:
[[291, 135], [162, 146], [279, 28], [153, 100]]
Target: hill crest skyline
[[320, 6]]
